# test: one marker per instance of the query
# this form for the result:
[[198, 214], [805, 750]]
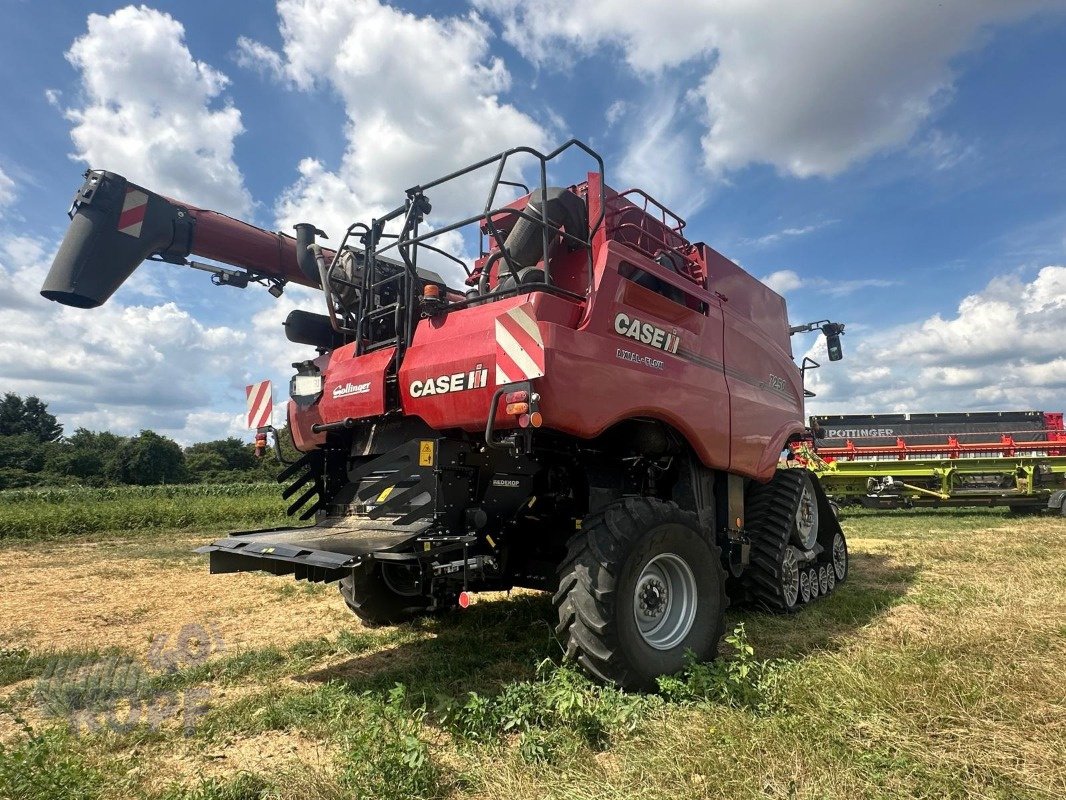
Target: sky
[[897, 166]]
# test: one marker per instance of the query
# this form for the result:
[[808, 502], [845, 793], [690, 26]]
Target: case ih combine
[[990, 458], [599, 413]]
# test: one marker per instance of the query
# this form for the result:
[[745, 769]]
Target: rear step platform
[[320, 553]]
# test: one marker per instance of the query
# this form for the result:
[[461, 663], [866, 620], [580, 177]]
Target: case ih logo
[[477, 378], [351, 388], [646, 333]]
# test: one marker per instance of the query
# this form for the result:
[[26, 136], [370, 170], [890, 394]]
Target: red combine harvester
[[599, 412]]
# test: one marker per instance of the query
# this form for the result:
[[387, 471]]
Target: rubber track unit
[[586, 598], [770, 510]]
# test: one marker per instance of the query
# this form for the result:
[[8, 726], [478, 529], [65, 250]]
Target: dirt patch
[[107, 600], [270, 752]]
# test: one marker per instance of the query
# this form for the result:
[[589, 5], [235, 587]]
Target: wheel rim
[[404, 581], [840, 557], [664, 601], [823, 580], [813, 574], [807, 516], [805, 586], [831, 577], [790, 578]]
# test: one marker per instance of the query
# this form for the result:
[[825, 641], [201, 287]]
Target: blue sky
[[894, 165]]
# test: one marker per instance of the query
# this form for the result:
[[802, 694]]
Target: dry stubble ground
[[937, 670]]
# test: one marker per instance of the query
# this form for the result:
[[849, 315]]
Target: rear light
[[522, 404], [306, 385]]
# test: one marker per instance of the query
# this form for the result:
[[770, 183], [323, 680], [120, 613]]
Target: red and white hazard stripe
[[260, 407], [133, 209], [519, 346]]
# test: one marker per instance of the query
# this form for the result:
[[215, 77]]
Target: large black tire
[[616, 554], [371, 599]]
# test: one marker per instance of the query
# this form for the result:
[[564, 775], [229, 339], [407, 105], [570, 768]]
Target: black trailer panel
[[881, 430]]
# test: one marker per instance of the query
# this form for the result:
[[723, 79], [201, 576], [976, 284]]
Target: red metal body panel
[[352, 387], [716, 366]]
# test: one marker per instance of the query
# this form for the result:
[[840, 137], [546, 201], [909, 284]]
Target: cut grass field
[[935, 671]]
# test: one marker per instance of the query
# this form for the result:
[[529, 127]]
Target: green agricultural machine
[[1013, 459]]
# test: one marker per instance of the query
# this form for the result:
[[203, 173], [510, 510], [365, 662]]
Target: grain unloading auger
[[599, 412]]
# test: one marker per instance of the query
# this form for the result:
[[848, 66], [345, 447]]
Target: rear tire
[[641, 584], [383, 599]]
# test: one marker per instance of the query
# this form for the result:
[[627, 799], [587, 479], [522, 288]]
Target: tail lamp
[[523, 404]]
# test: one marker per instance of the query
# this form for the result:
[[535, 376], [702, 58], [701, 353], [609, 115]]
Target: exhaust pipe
[[116, 224]]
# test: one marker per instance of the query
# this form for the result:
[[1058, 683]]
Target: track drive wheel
[[641, 584], [384, 594]]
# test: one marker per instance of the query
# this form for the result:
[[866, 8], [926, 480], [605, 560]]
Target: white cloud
[[120, 367], [1002, 349], [788, 233], [659, 154], [808, 88], [421, 96], [782, 281], [787, 280], [944, 150], [615, 111], [7, 190], [256, 55], [150, 111]]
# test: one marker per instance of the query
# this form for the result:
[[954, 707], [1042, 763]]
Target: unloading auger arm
[[116, 225]]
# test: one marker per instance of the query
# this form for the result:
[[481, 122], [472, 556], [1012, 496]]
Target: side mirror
[[832, 333]]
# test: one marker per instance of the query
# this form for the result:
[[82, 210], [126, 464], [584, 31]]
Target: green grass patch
[[935, 671], [47, 765]]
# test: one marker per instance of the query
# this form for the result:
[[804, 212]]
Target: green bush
[[44, 766], [557, 712], [740, 682], [384, 755]]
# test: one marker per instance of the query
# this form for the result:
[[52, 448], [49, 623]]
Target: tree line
[[34, 452]]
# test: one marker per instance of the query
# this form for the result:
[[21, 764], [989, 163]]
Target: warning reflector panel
[[134, 207], [260, 404], [519, 346]]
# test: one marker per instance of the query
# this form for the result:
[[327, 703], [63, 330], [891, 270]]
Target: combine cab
[[595, 408]]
